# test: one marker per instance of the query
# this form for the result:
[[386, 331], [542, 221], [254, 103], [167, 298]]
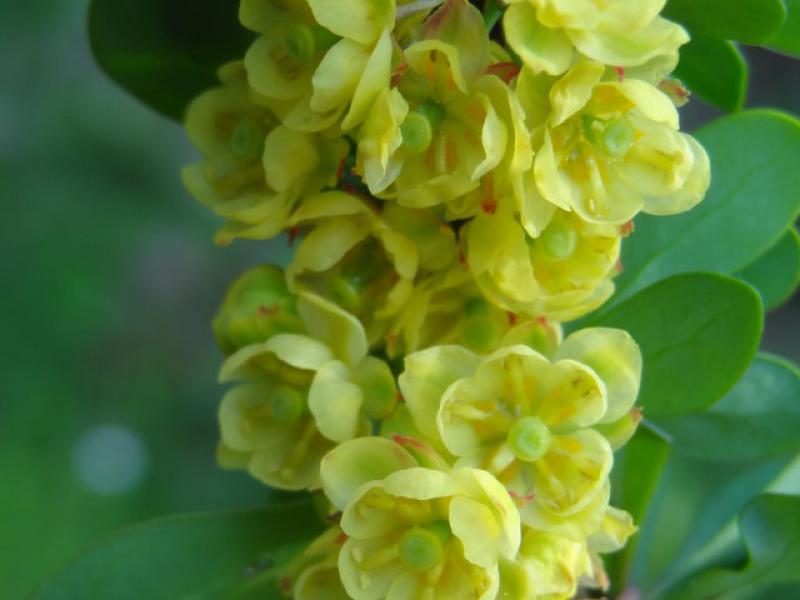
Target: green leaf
[[165, 52], [694, 503], [715, 70], [698, 332], [748, 21], [776, 273], [762, 415], [189, 556], [788, 38], [752, 200], [634, 479], [770, 530]]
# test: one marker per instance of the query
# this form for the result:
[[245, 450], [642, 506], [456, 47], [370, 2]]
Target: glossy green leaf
[[770, 530], [753, 199], [193, 556], [165, 52], [760, 417], [698, 332], [694, 503], [715, 70], [788, 38], [776, 273], [749, 21], [634, 479]]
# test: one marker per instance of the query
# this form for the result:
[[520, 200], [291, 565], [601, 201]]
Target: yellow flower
[[302, 393], [563, 273], [229, 129], [527, 419], [257, 306], [559, 553], [268, 418], [318, 57], [448, 308], [354, 258], [253, 169], [609, 149], [447, 125], [416, 532], [547, 34], [318, 578]]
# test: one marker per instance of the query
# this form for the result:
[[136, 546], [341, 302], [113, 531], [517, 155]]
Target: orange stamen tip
[[504, 70], [342, 538], [264, 311], [512, 318], [398, 74], [405, 440], [285, 583], [627, 228], [620, 73], [521, 500], [489, 206]]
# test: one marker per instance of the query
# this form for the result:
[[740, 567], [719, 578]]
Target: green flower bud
[[257, 306], [376, 381], [482, 328]]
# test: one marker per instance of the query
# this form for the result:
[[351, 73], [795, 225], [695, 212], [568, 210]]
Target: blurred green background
[[107, 391]]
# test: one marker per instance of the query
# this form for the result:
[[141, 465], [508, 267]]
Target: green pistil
[[286, 404], [422, 548], [558, 240], [247, 139], [617, 137], [529, 439], [348, 292], [417, 133], [420, 125], [303, 43]]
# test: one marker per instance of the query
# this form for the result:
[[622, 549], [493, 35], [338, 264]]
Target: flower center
[[301, 43], [247, 140], [617, 137], [559, 240], [423, 547], [286, 404], [529, 439], [419, 126]]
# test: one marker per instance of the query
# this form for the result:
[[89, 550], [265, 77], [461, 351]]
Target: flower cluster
[[458, 189]]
